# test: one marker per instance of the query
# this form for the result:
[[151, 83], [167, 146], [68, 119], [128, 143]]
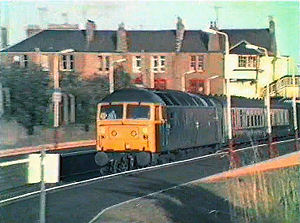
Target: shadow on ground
[[184, 204]]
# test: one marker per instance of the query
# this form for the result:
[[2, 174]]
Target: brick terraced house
[[180, 59]]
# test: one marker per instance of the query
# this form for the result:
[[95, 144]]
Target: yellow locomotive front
[[127, 127]]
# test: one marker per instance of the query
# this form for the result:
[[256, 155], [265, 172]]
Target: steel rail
[[218, 153]]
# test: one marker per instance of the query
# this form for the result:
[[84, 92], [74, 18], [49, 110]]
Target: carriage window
[[248, 121], [111, 112], [252, 120], [287, 117], [138, 112], [241, 119]]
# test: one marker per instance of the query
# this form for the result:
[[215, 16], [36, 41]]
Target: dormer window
[[248, 61]]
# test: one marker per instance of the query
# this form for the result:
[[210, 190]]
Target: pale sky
[[138, 14]]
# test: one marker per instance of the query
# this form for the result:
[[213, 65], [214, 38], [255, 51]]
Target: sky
[[149, 15]]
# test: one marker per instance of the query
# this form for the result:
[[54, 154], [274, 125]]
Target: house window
[[100, 63], [107, 63], [137, 64], [67, 62], [248, 61], [24, 61], [21, 60], [197, 62], [158, 63], [242, 61], [104, 63]]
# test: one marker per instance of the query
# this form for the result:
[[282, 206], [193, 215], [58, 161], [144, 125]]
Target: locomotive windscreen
[[111, 112], [138, 112]]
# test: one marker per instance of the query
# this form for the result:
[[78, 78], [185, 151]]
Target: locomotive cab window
[[138, 112], [111, 112]]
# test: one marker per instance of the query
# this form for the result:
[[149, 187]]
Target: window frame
[[248, 61], [197, 62], [23, 61], [130, 106], [137, 68], [67, 62], [158, 63], [104, 63]]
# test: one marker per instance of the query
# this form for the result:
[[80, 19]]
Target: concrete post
[[56, 71], [66, 109], [111, 78], [72, 108], [56, 98]]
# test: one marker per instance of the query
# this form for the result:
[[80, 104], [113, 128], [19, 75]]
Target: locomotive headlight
[[133, 133], [145, 131], [114, 133], [102, 131]]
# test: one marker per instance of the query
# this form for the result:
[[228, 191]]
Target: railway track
[[94, 175]]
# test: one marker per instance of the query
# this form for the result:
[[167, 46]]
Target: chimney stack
[[121, 38], [90, 28], [179, 34], [272, 33], [4, 41], [32, 30], [213, 39]]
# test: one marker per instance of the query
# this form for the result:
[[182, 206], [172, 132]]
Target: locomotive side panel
[[190, 127]]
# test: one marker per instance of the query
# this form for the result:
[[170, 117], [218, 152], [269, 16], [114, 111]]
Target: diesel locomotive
[[140, 127]]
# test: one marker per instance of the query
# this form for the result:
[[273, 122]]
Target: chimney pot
[[122, 38], [179, 34], [90, 28], [32, 30], [4, 42], [272, 33]]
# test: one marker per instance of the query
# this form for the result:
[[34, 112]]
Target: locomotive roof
[[164, 97], [179, 98], [133, 95], [241, 102]]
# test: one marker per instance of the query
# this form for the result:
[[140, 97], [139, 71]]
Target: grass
[[263, 198]]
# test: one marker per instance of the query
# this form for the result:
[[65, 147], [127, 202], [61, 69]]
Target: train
[[139, 127]]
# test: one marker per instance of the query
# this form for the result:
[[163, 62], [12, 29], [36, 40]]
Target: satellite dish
[[16, 58]]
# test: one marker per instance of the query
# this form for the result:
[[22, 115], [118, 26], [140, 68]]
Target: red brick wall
[[176, 65]]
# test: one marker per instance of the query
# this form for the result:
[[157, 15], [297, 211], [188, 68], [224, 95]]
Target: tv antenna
[[217, 14], [65, 17], [42, 14]]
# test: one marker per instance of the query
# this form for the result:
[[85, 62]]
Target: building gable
[[241, 49], [258, 37]]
